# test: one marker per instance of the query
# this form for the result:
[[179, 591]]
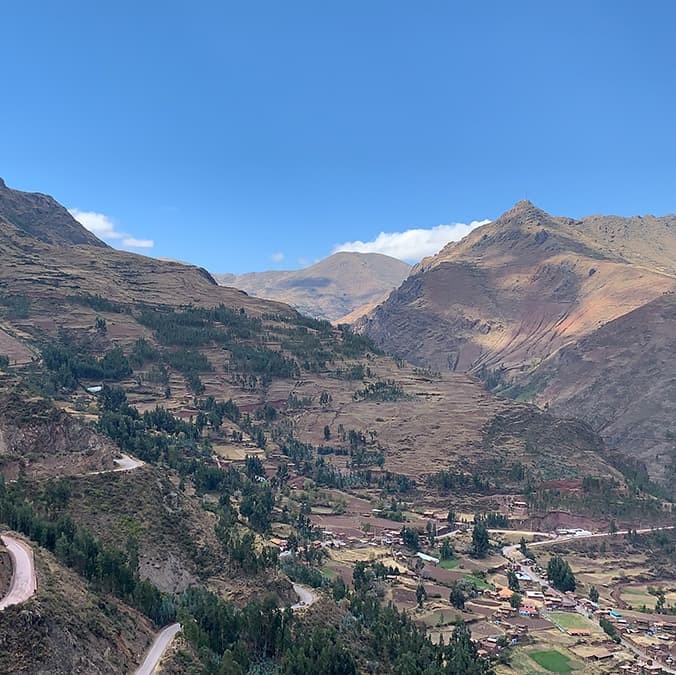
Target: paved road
[[127, 463], [24, 582], [124, 463], [507, 550], [159, 646], [305, 597]]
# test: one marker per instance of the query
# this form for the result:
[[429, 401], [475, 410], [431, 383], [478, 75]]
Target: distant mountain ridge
[[520, 299], [329, 289]]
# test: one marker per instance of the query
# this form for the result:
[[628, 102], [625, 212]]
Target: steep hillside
[[621, 379], [68, 628], [509, 294], [516, 291], [331, 288], [38, 439], [42, 217]]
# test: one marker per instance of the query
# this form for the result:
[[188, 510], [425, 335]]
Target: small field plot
[[636, 596], [449, 564], [552, 661], [568, 620], [480, 583]]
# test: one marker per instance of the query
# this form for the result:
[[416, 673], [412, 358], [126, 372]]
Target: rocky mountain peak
[[43, 218], [525, 211]]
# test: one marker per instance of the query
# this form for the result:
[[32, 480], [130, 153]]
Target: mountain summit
[[521, 299], [42, 217], [329, 289]]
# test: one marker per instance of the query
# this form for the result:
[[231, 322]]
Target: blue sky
[[252, 135]]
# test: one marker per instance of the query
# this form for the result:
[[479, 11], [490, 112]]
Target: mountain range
[[575, 315], [331, 288], [163, 436]]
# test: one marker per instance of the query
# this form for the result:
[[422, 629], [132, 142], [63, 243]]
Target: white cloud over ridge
[[132, 242], [277, 257], [104, 228], [412, 245]]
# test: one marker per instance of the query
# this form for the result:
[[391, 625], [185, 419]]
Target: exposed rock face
[[330, 289], [42, 441], [531, 289]]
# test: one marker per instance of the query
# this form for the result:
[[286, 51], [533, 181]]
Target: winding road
[[305, 597], [24, 582], [123, 463], [157, 649]]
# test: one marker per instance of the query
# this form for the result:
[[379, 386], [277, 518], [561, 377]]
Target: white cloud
[[97, 223], [414, 244], [277, 257], [104, 228], [132, 242]]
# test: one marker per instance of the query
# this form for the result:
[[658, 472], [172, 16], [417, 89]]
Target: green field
[[553, 661], [566, 620], [480, 583], [449, 564]]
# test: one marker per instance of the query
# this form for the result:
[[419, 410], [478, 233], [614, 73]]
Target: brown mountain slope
[[331, 288], [509, 294], [184, 516], [69, 628], [515, 292], [43, 218], [621, 379], [59, 289]]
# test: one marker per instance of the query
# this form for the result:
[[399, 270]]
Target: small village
[[510, 604]]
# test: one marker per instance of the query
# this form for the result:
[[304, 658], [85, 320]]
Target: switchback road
[[305, 597], [157, 649], [24, 582]]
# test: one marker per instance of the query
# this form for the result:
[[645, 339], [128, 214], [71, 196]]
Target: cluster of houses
[[659, 629]]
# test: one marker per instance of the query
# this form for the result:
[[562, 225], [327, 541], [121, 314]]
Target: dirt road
[[24, 582], [157, 649]]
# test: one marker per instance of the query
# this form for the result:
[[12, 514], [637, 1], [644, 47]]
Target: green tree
[[462, 657], [593, 594], [411, 538], [609, 629], [480, 543], [420, 594], [446, 550], [327, 433], [4, 362], [513, 581], [516, 600], [431, 530], [457, 596], [560, 574]]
